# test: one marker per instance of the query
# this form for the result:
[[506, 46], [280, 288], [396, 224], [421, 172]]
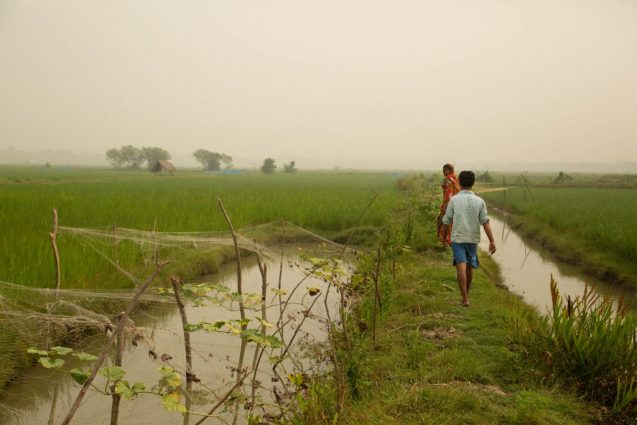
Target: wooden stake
[[263, 269], [53, 405], [376, 295], [242, 350], [155, 241], [56, 253], [238, 257], [115, 245], [187, 347], [119, 353], [280, 321]]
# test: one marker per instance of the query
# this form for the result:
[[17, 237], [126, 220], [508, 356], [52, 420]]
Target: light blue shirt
[[467, 212]]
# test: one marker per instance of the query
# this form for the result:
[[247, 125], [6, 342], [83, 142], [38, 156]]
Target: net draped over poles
[[42, 317], [97, 307], [264, 234]]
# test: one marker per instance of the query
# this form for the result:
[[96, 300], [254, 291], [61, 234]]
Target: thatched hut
[[164, 167], [562, 178]]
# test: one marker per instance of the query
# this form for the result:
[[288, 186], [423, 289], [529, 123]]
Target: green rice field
[[600, 221], [100, 198]]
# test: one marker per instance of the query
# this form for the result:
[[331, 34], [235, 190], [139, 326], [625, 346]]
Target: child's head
[[447, 169], [467, 179]]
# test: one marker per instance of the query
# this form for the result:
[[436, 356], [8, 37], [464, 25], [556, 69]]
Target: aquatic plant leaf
[[37, 351], [127, 392], [50, 363], [113, 373], [164, 291], [277, 359], [62, 351], [296, 379], [170, 377], [171, 403], [264, 322], [85, 356], [79, 375], [252, 335]]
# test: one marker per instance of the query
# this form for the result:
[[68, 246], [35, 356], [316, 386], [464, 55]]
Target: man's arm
[[484, 220], [445, 233], [487, 230]]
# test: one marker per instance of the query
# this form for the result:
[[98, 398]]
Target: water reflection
[[526, 269]]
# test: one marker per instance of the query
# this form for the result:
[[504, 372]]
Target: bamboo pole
[[53, 406], [241, 307], [238, 258], [376, 295], [263, 269], [56, 253], [343, 315], [156, 248], [176, 283], [119, 353], [280, 321], [115, 244]]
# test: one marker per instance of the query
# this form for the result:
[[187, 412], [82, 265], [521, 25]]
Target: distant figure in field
[[450, 187], [468, 212]]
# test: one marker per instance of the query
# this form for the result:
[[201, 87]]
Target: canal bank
[[436, 362]]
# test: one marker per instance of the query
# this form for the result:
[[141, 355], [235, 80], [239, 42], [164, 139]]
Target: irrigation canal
[[527, 267], [28, 400]]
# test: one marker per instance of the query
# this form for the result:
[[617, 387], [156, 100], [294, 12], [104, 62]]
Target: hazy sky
[[387, 83]]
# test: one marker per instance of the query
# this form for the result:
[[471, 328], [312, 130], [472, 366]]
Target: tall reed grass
[[591, 342]]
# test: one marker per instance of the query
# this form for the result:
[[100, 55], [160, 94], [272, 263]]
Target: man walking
[[467, 212]]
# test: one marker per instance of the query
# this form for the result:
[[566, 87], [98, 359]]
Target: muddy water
[[526, 269], [28, 401]]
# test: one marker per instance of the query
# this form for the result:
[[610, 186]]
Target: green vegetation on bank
[[595, 228], [328, 203], [437, 362]]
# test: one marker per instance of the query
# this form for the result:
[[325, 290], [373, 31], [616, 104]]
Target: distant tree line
[[133, 158], [269, 165], [211, 161]]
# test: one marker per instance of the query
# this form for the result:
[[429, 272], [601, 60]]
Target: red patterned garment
[[450, 186]]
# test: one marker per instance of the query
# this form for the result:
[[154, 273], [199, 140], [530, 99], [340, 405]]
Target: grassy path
[[440, 363]]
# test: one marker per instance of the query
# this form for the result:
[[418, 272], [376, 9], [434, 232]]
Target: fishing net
[[297, 273]]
